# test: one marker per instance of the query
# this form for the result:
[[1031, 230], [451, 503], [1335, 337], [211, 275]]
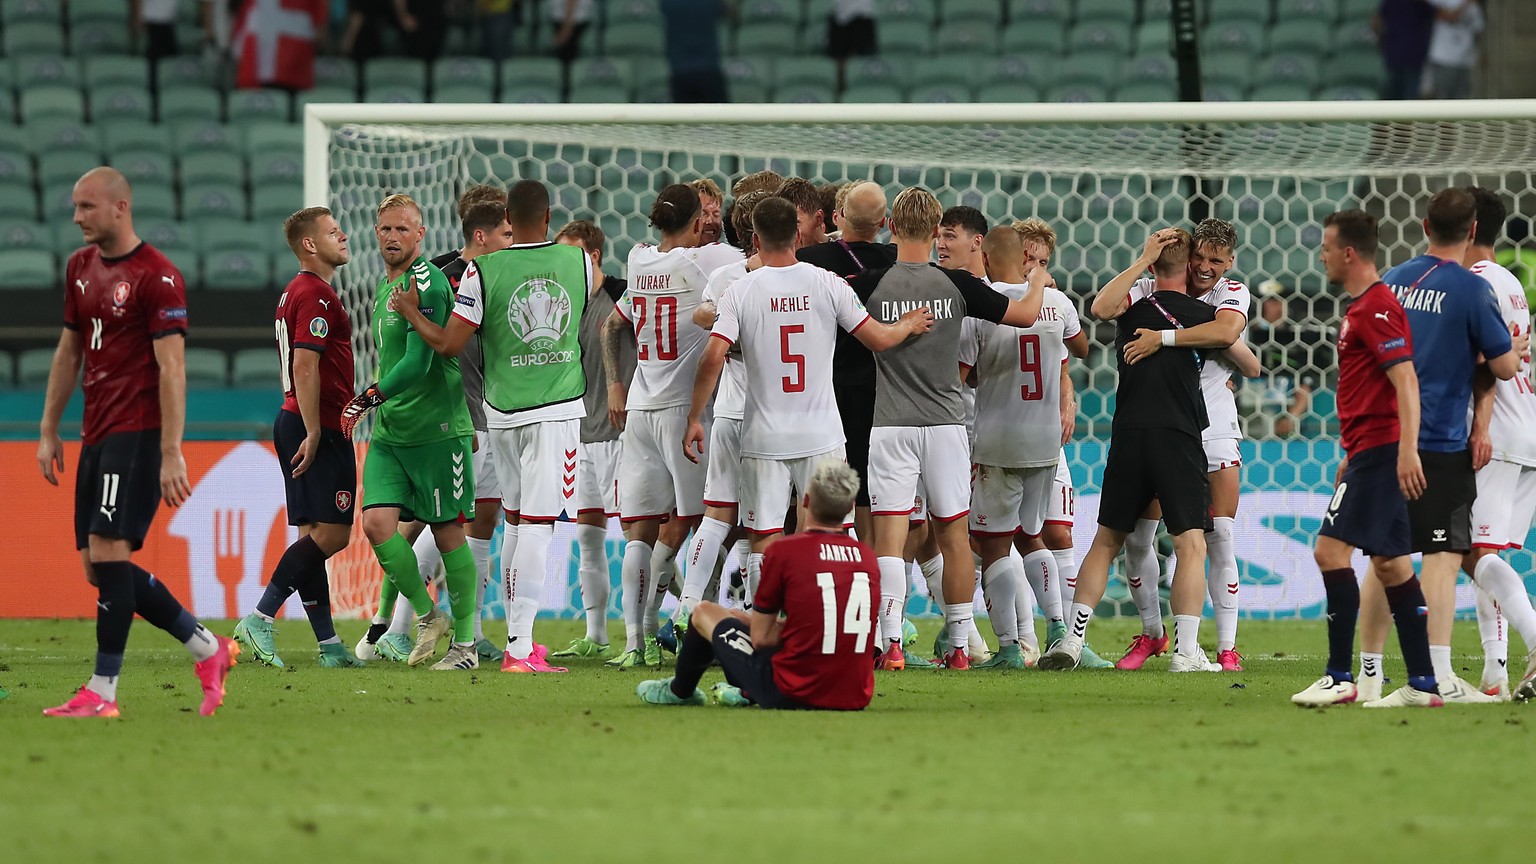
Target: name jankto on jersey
[[541, 359]]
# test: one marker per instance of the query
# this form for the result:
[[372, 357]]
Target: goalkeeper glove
[[359, 407]]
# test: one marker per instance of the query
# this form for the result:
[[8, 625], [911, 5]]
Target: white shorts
[[1506, 502], [655, 478], [770, 486], [536, 465], [903, 458], [1222, 453], [723, 476], [919, 508], [597, 479], [487, 487], [1006, 500], [1063, 504]]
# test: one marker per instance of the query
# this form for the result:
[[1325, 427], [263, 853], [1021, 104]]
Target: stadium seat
[[530, 93], [941, 93], [33, 367], [904, 38], [258, 106], [1079, 92], [25, 234], [167, 233], [805, 94], [45, 70], [876, 70], [116, 71], [1039, 11], [263, 137], [15, 167], [7, 370], [1221, 91], [207, 368], [1013, 69], [1288, 69], [1282, 91], [254, 367], [212, 201], [198, 136], [987, 12], [236, 270], [604, 71], [1301, 37], [279, 165], [463, 72], [601, 93], [1232, 68], [1093, 69], [1326, 11], [966, 36], [814, 71], [957, 70], [1008, 92], [64, 166], [98, 37], [33, 37], [644, 38], [748, 79], [1149, 67], [1358, 10], [135, 136], [186, 70], [29, 268], [395, 72], [1353, 37], [463, 94], [321, 95], [1045, 37], [1099, 36], [203, 169], [97, 12], [1253, 11], [52, 103], [274, 202], [1357, 70], [1234, 36], [7, 107], [527, 71], [180, 103], [118, 103], [336, 72], [1152, 37], [29, 12], [1147, 91], [921, 11], [1348, 93], [394, 94], [53, 135]]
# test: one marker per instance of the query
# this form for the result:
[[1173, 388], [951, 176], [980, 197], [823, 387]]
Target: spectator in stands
[[1453, 48], [570, 19], [850, 33], [497, 22], [1403, 29], [155, 20], [278, 51], [366, 21], [693, 50], [425, 23]]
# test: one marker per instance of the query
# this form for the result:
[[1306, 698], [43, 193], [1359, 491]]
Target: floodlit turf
[[388, 764]]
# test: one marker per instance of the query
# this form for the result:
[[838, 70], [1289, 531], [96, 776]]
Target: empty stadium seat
[[1101, 36], [33, 367], [29, 268], [988, 12], [328, 93], [875, 70], [1092, 69], [1149, 67], [1152, 37], [531, 93], [25, 234], [213, 201], [526, 71], [280, 165], [904, 37], [258, 106], [1356, 69], [804, 94], [7, 370], [46, 70], [143, 166], [52, 103], [1234, 36], [111, 70], [238, 270], [812, 71], [199, 169], [941, 93], [1299, 69], [1283, 91], [180, 103], [275, 202], [29, 11], [98, 37], [463, 94], [874, 92], [787, 11], [200, 136], [118, 103], [1008, 91], [1348, 93], [64, 166], [957, 70], [186, 70], [610, 72], [167, 233], [967, 36], [1326, 11], [1080, 92], [1307, 36], [1147, 91], [51, 135], [1029, 37], [336, 72], [207, 368], [254, 367], [1251, 11], [921, 11], [265, 137], [33, 37], [601, 93], [644, 37], [15, 166], [1039, 10]]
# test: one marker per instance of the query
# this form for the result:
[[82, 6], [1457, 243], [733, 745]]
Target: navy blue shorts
[[117, 488], [327, 492], [1368, 510], [750, 670]]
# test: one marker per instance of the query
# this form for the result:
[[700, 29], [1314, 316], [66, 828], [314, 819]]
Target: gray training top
[[595, 426], [917, 383]]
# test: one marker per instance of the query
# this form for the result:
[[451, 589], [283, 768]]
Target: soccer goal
[[1102, 175]]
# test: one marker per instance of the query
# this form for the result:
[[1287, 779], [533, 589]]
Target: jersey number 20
[[856, 619], [665, 322]]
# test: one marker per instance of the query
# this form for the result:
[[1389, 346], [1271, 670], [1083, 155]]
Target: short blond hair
[[762, 181], [1035, 230], [708, 188], [398, 200], [915, 214], [1175, 256], [301, 225], [832, 491]]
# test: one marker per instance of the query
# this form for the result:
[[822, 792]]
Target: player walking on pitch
[[125, 318], [314, 347], [418, 464]]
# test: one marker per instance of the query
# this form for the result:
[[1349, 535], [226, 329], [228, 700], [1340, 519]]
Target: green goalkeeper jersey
[[430, 408]]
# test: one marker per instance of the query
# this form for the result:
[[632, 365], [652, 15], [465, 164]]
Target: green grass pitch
[[388, 764]]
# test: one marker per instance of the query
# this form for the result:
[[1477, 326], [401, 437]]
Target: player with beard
[[710, 202]]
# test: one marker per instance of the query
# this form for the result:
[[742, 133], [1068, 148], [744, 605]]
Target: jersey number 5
[[857, 621], [794, 384], [665, 323], [1033, 389]]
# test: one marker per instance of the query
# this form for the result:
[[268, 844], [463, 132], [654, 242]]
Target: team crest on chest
[[540, 313], [120, 293]]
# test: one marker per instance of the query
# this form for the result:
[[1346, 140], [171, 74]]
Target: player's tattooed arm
[[61, 384], [1113, 299], [170, 354], [618, 392]]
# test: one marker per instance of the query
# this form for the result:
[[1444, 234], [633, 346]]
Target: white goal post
[[1103, 175]]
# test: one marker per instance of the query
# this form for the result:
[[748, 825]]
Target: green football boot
[[335, 655], [1007, 657], [908, 635], [1090, 660], [728, 696], [395, 647], [4, 693], [486, 650], [655, 652], [1055, 631], [255, 633], [584, 648], [659, 692], [940, 643], [628, 660]]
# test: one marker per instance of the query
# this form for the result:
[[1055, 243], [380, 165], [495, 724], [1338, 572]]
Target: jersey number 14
[[856, 618]]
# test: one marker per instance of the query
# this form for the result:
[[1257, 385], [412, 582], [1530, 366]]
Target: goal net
[[1103, 176]]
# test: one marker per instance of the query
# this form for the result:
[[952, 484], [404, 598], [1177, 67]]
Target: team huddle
[[777, 394]]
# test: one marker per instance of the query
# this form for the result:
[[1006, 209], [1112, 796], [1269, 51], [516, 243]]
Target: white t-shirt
[[1018, 381], [731, 396], [472, 309], [1454, 43], [664, 290], [785, 319], [1513, 428], [1220, 401]]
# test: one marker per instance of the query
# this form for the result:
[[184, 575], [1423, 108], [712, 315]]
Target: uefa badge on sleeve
[[318, 328]]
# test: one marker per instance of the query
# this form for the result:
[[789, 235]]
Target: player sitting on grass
[[784, 655]]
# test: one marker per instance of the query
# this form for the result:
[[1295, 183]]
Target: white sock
[[957, 618], [1490, 626], [592, 575], [481, 550], [1494, 575], [999, 585], [664, 570], [933, 577], [1023, 602], [1186, 635], [526, 580], [1440, 658], [1221, 580], [429, 559], [1040, 570], [1370, 665], [893, 596], [202, 644], [754, 575], [634, 581], [1066, 565], [1141, 575], [1077, 626], [402, 619], [976, 643], [104, 686], [703, 553]]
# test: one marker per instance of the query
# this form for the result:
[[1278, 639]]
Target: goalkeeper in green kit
[[418, 464]]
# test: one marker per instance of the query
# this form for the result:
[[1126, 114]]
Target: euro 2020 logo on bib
[[539, 313]]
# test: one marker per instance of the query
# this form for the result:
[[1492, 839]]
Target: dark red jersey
[[311, 317], [1374, 337], [827, 585], [120, 306]]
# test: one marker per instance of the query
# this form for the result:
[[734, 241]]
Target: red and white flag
[[274, 43]]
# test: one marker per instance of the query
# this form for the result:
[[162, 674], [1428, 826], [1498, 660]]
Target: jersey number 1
[[857, 621], [665, 322]]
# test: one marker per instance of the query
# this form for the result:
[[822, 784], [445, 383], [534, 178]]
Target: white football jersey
[[1018, 382], [1220, 401], [664, 290], [1514, 404], [785, 320], [731, 395]]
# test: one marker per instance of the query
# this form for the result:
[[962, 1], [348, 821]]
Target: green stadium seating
[[1095, 69], [187, 70], [942, 93], [154, 202], [7, 107], [64, 166], [601, 93], [752, 37], [1152, 37], [1039, 11], [25, 234], [13, 12], [1326, 11], [1357, 70], [110, 12], [29, 268], [236, 270], [956, 70], [45, 70], [1008, 92], [1079, 92], [336, 72], [98, 37], [7, 370], [1307, 36], [464, 93], [254, 367], [966, 36], [1099, 36], [15, 166], [394, 94], [644, 37], [1149, 67], [815, 71], [271, 203], [395, 72], [804, 94], [1254, 11], [1281, 91], [1358, 10], [608, 72], [463, 72], [281, 165], [110, 70], [201, 136], [218, 235], [988, 12], [119, 103], [1348, 93], [53, 135], [258, 106], [903, 38], [876, 70], [1222, 91], [180, 103], [207, 368], [1013, 69], [264, 137], [1288, 69], [212, 201], [921, 11], [1234, 36], [202, 169], [787, 11], [878, 92], [526, 71], [1353, 36], [322, 95], [33, 367], [748, 79], [52, 103], [1147, 91], [33, 37], [530, 93], [166, 233], [1233, 68], [1031, 37]]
